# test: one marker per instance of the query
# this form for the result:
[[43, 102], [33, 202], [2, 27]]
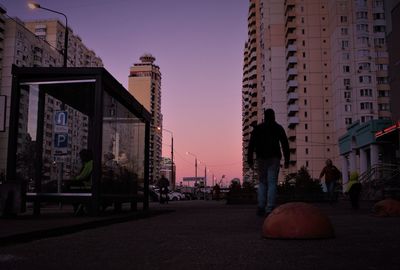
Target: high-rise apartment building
[[53, 31], [22, 45], [145, 85], [323, 67]]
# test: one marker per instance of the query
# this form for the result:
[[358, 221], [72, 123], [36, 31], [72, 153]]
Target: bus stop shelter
[[56, 114]]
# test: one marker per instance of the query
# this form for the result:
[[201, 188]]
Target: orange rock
[[387, 208], [297, 221]]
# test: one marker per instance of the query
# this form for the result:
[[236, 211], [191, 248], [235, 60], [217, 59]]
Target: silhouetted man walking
[[266, 141]]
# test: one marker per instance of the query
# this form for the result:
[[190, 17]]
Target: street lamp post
[[65, 52], [195, 164]]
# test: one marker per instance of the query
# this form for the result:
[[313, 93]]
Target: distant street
[[213, 235]]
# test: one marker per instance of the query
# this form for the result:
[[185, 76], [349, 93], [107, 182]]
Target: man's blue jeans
[[268, 170]]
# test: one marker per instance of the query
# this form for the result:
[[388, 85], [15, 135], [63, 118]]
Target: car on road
[[176, 196]]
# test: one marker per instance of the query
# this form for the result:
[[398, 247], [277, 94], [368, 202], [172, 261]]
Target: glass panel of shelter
[[123, 144], [54, 124]]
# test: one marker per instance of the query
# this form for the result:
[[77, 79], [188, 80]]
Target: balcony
[[292, 97], [293, 109], [291, 49], [293, 121], [292, 85], [291, 37], [291, 73], [292, 60], [290, 26]]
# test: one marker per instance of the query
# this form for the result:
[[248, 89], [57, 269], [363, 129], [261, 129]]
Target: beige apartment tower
[[145, 85], [323, 67]]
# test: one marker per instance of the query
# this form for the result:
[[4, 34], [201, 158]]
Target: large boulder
[[387, 208], [297, 220]]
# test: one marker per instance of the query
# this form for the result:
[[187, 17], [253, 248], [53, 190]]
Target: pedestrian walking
[[266, 141], [163, 185], [353, 189], [332, 176]]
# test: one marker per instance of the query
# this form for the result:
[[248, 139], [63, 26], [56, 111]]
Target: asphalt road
[[213, 235]]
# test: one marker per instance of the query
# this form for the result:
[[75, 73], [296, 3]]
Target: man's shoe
[[260, 212]]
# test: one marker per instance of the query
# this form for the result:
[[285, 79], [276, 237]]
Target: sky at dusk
[[198, 45]]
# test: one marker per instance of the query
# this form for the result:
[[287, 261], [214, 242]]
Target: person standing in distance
[[266, 140]]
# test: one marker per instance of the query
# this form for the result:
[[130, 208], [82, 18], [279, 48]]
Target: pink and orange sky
[[198, 45]]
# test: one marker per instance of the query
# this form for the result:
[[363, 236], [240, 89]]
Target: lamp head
[[33, 5]]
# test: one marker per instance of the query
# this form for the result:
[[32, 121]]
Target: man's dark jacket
[[265, 139]]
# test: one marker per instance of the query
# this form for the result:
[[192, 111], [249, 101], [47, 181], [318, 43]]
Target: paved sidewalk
[[213, 235], [55, 220]]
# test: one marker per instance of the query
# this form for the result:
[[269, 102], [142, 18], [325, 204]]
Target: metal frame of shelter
[[102, 82]]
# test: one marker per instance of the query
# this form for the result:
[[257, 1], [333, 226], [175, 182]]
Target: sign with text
[[60, 126], [60, 121], [193, 179]]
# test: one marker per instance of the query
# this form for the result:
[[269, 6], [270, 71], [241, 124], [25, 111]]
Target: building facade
[[145, 85], [25, 48], [324, 66], [165, 170]]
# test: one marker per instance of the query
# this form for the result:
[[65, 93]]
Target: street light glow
[[32, 5]]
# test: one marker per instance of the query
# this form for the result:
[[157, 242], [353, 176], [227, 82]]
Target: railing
[[381, 181]]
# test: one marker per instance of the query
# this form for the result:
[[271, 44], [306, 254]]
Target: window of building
[[305, 90], [346, 69], [328, 149], [347, 108], [379, 28], [366, 92], [305, 78], [362, 27], [382, 80], [302, 31], [364, 66], [302, 19], [366, 118], [304, 54], [306, 151], [381, 67], [306, 138], [343, 19], [383, 93], [365, 79], [305, 126], [384, 107], [366, 106], [379, 41], [304, 66], [362, 15], [379, 16], [348, 121], [344, 31], [305, 102], [345, 56], [346, 81], [304, 43], [347, 94], [345, 44], [305, 114]]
